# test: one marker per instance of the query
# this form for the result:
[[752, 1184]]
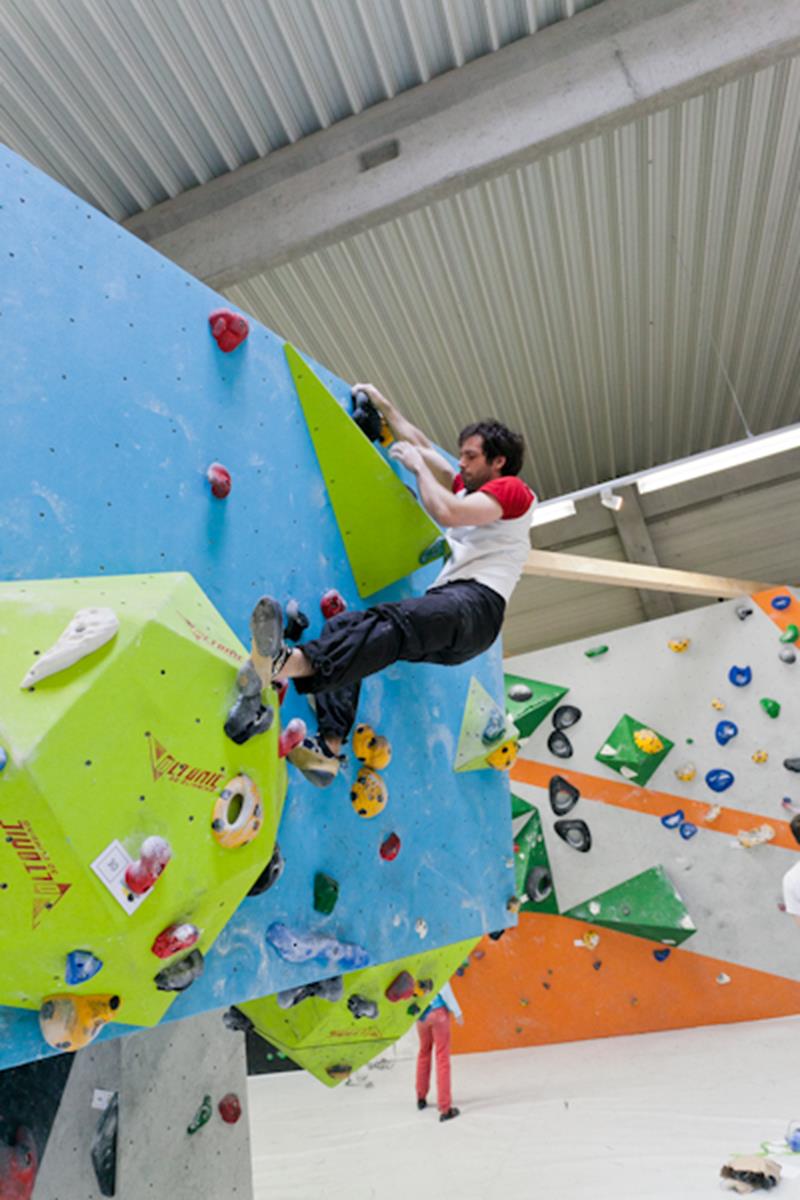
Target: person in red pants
[[433, 1028]]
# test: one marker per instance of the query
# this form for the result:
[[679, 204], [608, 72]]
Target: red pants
[[435, 1031]]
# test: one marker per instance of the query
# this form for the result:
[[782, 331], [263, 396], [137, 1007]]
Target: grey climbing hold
[[792, 764], [743, 611], [323, 989], [787, 655], [559, 744], [538, 884], [519, 692], [361, 1007], [270, 875], [178, 976]]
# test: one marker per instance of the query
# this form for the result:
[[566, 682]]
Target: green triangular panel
[[528, 714], [520, 807], [647, 906], [479, 709], [530, 851], [632, 760], [383, 527]]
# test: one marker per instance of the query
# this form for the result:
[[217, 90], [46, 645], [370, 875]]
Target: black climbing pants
[[447, 625]]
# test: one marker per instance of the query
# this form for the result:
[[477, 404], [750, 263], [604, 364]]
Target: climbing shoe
[[268, 651], [422, 1104], [314, 760], [448, 1116]]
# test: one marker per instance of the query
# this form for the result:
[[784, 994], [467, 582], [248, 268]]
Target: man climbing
[[486, 510]]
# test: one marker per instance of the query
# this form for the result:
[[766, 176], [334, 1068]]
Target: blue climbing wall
[[115, 400]]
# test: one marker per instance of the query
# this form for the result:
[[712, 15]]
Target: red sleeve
[[515, 496], [458, 484]]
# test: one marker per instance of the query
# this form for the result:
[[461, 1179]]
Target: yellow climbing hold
[[718, 704], [760, 756], [679, 644], [686, 773], [648, 741], [504, 756]]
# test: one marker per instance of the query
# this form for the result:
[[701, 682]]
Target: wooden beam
[[632, 531], [582, 569]]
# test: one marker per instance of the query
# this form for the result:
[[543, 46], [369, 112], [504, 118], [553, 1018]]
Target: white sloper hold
[[88, 630]]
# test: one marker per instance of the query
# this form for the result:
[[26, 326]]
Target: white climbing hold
[[88, 630], [421, 927]]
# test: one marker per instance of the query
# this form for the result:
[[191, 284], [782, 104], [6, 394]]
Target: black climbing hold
[[271, 873], [794, 825], [565, 716], [179, 975], [497, 934], [538, 885], [360, 1006], [519, 692], [559, 744], [233, 1018], [743, 611], [792, 764], [563, 795], [575, 833], [295, 622], [104, 1149]]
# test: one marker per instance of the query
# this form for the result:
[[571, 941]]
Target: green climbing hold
[[383, 527], [530, 710], [326, 893], [646, 906], [790, 634], [595, 651], [201, 1117], [634, 750], [771, 707]]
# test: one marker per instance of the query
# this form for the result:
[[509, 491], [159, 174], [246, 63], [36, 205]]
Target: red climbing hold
[[332, 603], [153, 857], [230, 1108], [220, 479], [390, 847], [175, 938], [291, 737], [401, 987], [281, 687], [228, 329]]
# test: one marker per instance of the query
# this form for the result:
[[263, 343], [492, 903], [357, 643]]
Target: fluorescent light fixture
[[722, 459], [552, 510]]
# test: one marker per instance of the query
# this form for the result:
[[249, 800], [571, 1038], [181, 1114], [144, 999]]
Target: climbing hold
[[332, 603], [647, 741], [401, 987], [781, 602], [178, 976], [712, 812], [296, 947], [760, 756], [238, 1022], [291, 737], [725, 732], [3, 758], [103, 1149], [368, 794], [70, 1022], [230, 1108], [755, 837], [565, 716], [771, 707], [793, 1136], [248, 715], [88, 630], [678, 645], [81, 965], [439, 548], [228, 329], [563, 795], [790, 634], [743, 611], [153, 858], [687, 830], [686, 773], [513, 904], [672, 820], [559, 744], [792, 764], [718, 704], [787, 655], [220, 479], [367, 418], [390, 847], [270, 875], [175, 938], [723, 978], [360, 1007], [421, 927], [423, 987], [494, 727], [519, 692], [339, 1071], [575, 833], [331, 990], [326, 893], [504, 756], [371, 748], [538, 885], [201, 1117], [238, 813], [740, 676], [595, 651], [295, 622], [589, 941], [719, 780], [661, 955]]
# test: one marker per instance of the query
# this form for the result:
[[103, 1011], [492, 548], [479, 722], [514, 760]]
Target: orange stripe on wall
[[783, 618], [534, 986], [655, 804]]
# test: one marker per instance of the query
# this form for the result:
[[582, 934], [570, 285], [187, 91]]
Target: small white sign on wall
[[109, 867]]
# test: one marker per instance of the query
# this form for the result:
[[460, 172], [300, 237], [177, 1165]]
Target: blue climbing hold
[[495, 727], [300, 946], [740, 676], [781, 602], [661, 955], [672, 820], [3, 758], [725, 731], [81, 965], [687, 830], [719, 780]]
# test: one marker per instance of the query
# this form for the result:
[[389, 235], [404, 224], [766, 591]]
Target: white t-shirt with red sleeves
[[492, 554]]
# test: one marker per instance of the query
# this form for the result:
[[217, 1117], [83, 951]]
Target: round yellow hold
[[718, 704], [238, 813], [371, 748], [505, 755], [648, 741], [760, 756], [686, 773], [679, 644], [368, 794]]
